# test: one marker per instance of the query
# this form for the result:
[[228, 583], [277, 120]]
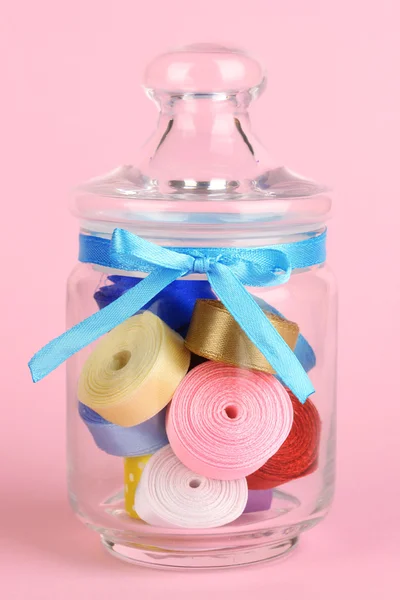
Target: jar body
[[98, 474]]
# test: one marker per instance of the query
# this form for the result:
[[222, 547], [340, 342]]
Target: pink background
[[72, 108]]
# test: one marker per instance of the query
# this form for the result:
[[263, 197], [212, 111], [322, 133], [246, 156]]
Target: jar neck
[[171, 236], [200, 138], [216, 103], [216, 121]]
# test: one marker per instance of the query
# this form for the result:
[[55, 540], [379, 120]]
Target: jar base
[[158, 558]]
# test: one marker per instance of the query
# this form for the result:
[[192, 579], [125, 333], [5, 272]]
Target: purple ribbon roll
[[145, 438], [258, 500]]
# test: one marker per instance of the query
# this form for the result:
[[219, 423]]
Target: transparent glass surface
[[204, 180], [203, 172]]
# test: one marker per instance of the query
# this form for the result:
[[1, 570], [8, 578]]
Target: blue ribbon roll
[[146, 438], [174, 304]]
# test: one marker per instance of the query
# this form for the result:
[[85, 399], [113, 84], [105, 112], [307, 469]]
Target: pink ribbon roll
[[171, 495], [225, 422]]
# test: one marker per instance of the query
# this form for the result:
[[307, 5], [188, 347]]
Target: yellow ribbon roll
[[134, 371], [215, 335], [133, 469]]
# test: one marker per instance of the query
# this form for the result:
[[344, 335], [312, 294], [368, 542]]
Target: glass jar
[[189, 444]]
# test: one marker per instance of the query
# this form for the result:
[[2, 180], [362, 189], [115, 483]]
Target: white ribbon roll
[[170, 495], [133, 372]]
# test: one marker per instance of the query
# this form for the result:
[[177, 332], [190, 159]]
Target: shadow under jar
[[187, 448]]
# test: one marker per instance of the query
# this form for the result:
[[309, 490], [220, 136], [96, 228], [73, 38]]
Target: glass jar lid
[[202, 172]]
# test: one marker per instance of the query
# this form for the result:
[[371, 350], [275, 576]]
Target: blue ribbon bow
[[228, 270]]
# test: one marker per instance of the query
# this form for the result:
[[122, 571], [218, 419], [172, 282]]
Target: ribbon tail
[[87, 331], [303, 350], [260, 331]]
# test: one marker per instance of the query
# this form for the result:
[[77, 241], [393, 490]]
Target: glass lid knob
[[204, 69]]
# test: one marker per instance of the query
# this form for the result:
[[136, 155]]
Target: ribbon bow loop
[[272, 268]]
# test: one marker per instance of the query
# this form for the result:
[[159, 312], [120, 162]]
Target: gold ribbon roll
[[215, 335], [133, 469], [134, 371]]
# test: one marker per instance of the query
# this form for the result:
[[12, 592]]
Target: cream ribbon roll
[[133, 469], [133, 372], [223, 420], [170, 495]]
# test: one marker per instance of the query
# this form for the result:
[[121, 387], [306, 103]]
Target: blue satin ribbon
[[146, 438], [228, 270], [174, 305], [302, 350]]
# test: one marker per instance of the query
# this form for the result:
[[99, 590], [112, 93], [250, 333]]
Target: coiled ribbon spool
[[146, 438], [133, 372], [133, 469], [225, 422], [258, 501], [298, 456], [215, 335], [171, 495]]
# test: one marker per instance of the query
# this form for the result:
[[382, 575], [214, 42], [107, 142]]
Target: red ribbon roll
[[224, 422], [298, 455]]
